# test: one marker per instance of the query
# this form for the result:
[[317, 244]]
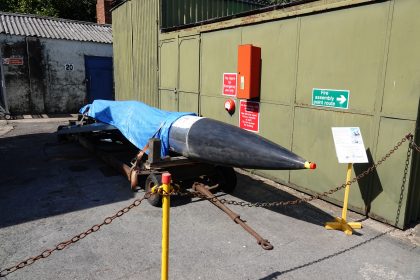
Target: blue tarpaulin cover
[[137, 121]]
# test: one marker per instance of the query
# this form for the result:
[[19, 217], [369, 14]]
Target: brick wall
[[103, 14]]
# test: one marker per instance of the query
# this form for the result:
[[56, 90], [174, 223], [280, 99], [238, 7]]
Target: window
[[187, 13]]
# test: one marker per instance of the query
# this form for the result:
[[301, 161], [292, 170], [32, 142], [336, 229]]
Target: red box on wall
[[249, 69]]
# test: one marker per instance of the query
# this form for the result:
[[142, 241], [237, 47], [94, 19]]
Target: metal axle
[[264, 243]]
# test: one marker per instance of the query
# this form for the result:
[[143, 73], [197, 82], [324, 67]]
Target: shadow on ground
[[277, 274], [40, 178], [254, 190]]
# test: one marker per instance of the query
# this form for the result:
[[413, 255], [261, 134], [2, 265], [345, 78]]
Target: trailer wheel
[[60, 137], [227, 178], [154, 180]]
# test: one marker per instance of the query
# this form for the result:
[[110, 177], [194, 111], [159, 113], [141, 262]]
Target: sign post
[[350, 149]]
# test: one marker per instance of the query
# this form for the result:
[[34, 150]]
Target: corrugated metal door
[[278, 42], [218, 56], [168, 70], [369, 49], [145, 47], [189, 73], [179, 74], [123, 52], [135, 32]]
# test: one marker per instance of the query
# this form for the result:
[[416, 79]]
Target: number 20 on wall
[[69, 67]]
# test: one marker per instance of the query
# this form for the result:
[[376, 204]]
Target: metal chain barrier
[[373, 167], [62, 245], [404, 180], [108, 220]]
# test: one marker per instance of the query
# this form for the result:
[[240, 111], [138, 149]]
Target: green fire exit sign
[[330, 98]]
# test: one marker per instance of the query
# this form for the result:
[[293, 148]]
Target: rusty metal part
[[134, 179], [264, 243], [415, 147], [63, 245], [131, 173], [404, 180]]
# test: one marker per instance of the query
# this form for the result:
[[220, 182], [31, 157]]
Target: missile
[[219, 143], [202, 139]]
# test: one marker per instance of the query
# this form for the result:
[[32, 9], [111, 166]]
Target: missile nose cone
[[310, 165], [223, 144]]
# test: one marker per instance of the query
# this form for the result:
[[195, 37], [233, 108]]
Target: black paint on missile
[[220, 143]]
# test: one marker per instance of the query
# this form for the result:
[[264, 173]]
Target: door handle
[[88, 82]]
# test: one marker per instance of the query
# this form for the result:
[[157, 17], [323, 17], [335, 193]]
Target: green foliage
[[84, 10], [76, 9]]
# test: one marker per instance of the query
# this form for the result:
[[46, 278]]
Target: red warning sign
[[229, 84], [249, 115], [13, 61]]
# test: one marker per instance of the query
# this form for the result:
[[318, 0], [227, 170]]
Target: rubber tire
[[61, 138], [152, 180], [227, 178]]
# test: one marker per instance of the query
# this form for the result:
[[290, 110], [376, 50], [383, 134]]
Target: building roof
[[54, 28]]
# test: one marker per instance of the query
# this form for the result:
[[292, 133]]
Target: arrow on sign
[[342, 99]]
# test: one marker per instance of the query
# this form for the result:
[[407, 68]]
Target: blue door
[[99, 78]]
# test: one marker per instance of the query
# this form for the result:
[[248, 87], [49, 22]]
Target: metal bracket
[[154, 150]]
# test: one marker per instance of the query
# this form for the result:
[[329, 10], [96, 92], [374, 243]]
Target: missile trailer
[[192, 148], [144, 170]]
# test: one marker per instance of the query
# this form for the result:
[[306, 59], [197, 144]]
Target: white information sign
[[349, 145]]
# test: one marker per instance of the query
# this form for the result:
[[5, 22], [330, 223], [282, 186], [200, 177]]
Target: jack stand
[[341, 223]]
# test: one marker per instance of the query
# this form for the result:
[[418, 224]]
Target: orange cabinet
[[249, 69]]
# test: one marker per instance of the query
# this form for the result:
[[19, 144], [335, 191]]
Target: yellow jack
[[341, 223]]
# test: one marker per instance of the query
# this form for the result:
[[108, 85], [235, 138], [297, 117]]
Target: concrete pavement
[[51, 191]]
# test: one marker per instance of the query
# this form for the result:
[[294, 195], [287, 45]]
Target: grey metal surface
[[85, 128], [54, 28]]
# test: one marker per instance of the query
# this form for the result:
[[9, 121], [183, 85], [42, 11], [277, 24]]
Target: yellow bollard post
[[166, 204], [341, 223], [346, 192]]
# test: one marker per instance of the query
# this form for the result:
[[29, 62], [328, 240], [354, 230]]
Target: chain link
[[373, 167], [62, 245], [404, 180], [414, 146]]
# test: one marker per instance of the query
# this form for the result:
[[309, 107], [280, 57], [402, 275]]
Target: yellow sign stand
[[341, 223]]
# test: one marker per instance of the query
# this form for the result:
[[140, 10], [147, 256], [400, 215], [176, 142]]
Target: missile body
[[203, 139], [219, 143]]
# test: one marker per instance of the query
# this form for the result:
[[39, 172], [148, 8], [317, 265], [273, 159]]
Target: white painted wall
[[51, 88]]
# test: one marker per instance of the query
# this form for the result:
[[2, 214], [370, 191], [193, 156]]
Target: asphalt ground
[[51, 191]]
